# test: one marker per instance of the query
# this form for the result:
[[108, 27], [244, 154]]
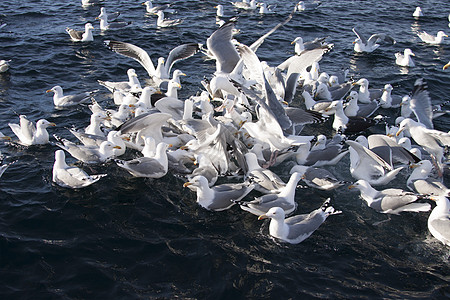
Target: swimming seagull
[[4, 65], [29, 133], [164, 66], [431, 39], [439, 220], [405, 59], [151, 167], [297, 228], [429, 139], [219, 197], [285, 199], [71, 177], [162, 22], [245, 5], [124, 86], [60, 100], [219, 11], [318, 178], [266, 181], [390, 201], [105, 25], [420, 182], [81, 36], [302, 6], [154, 9], [88, 154], [361, 44], [418, 12]]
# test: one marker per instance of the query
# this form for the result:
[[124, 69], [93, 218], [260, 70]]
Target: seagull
[[61, 101], [390, 201], [366, 164], [264, 9], [4, 65], [297, 228], [124, 86], [219, 11], [429, 139], [431, 39], [161, 73], [105, 25], [439, 220], [88, 154], [285, 199], [154, 9], [318, 178], [71, 177], [387, 100], [81, 36], [361, 44], [245, 5], [219, 197], [420, 182], [418, 12], [302, 6], [151, 167], [161, 22], [266, 181], [30, 134], [405, 59]]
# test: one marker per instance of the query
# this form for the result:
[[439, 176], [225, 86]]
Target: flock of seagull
[[245, 125]]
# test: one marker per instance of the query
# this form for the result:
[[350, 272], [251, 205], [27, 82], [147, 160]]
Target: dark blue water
[[129, 238]]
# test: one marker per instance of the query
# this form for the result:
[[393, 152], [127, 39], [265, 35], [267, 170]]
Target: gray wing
[[420, 103], [301, 116], [134, 52], [220, 45], [143, 121], [306, 227], [171, 106], [395, 201], [181, 52], [319, 176], [367, 109], [266, 202], [326, 154], [75, 34], [379, 146], [360, 36], [374, 38], [252, 62], [365, 153], [442, 225], [142, 166], [88, 139]]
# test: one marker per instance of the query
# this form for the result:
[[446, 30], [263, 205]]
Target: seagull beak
[[261, 217], [52, 124], [6, 138], [292, 42], [446, 66], [398, 132], [117, 147], [48, 91], [182, 74], [351, 187], [126, 138], [413, 166], [187, 184], [131, 105]]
